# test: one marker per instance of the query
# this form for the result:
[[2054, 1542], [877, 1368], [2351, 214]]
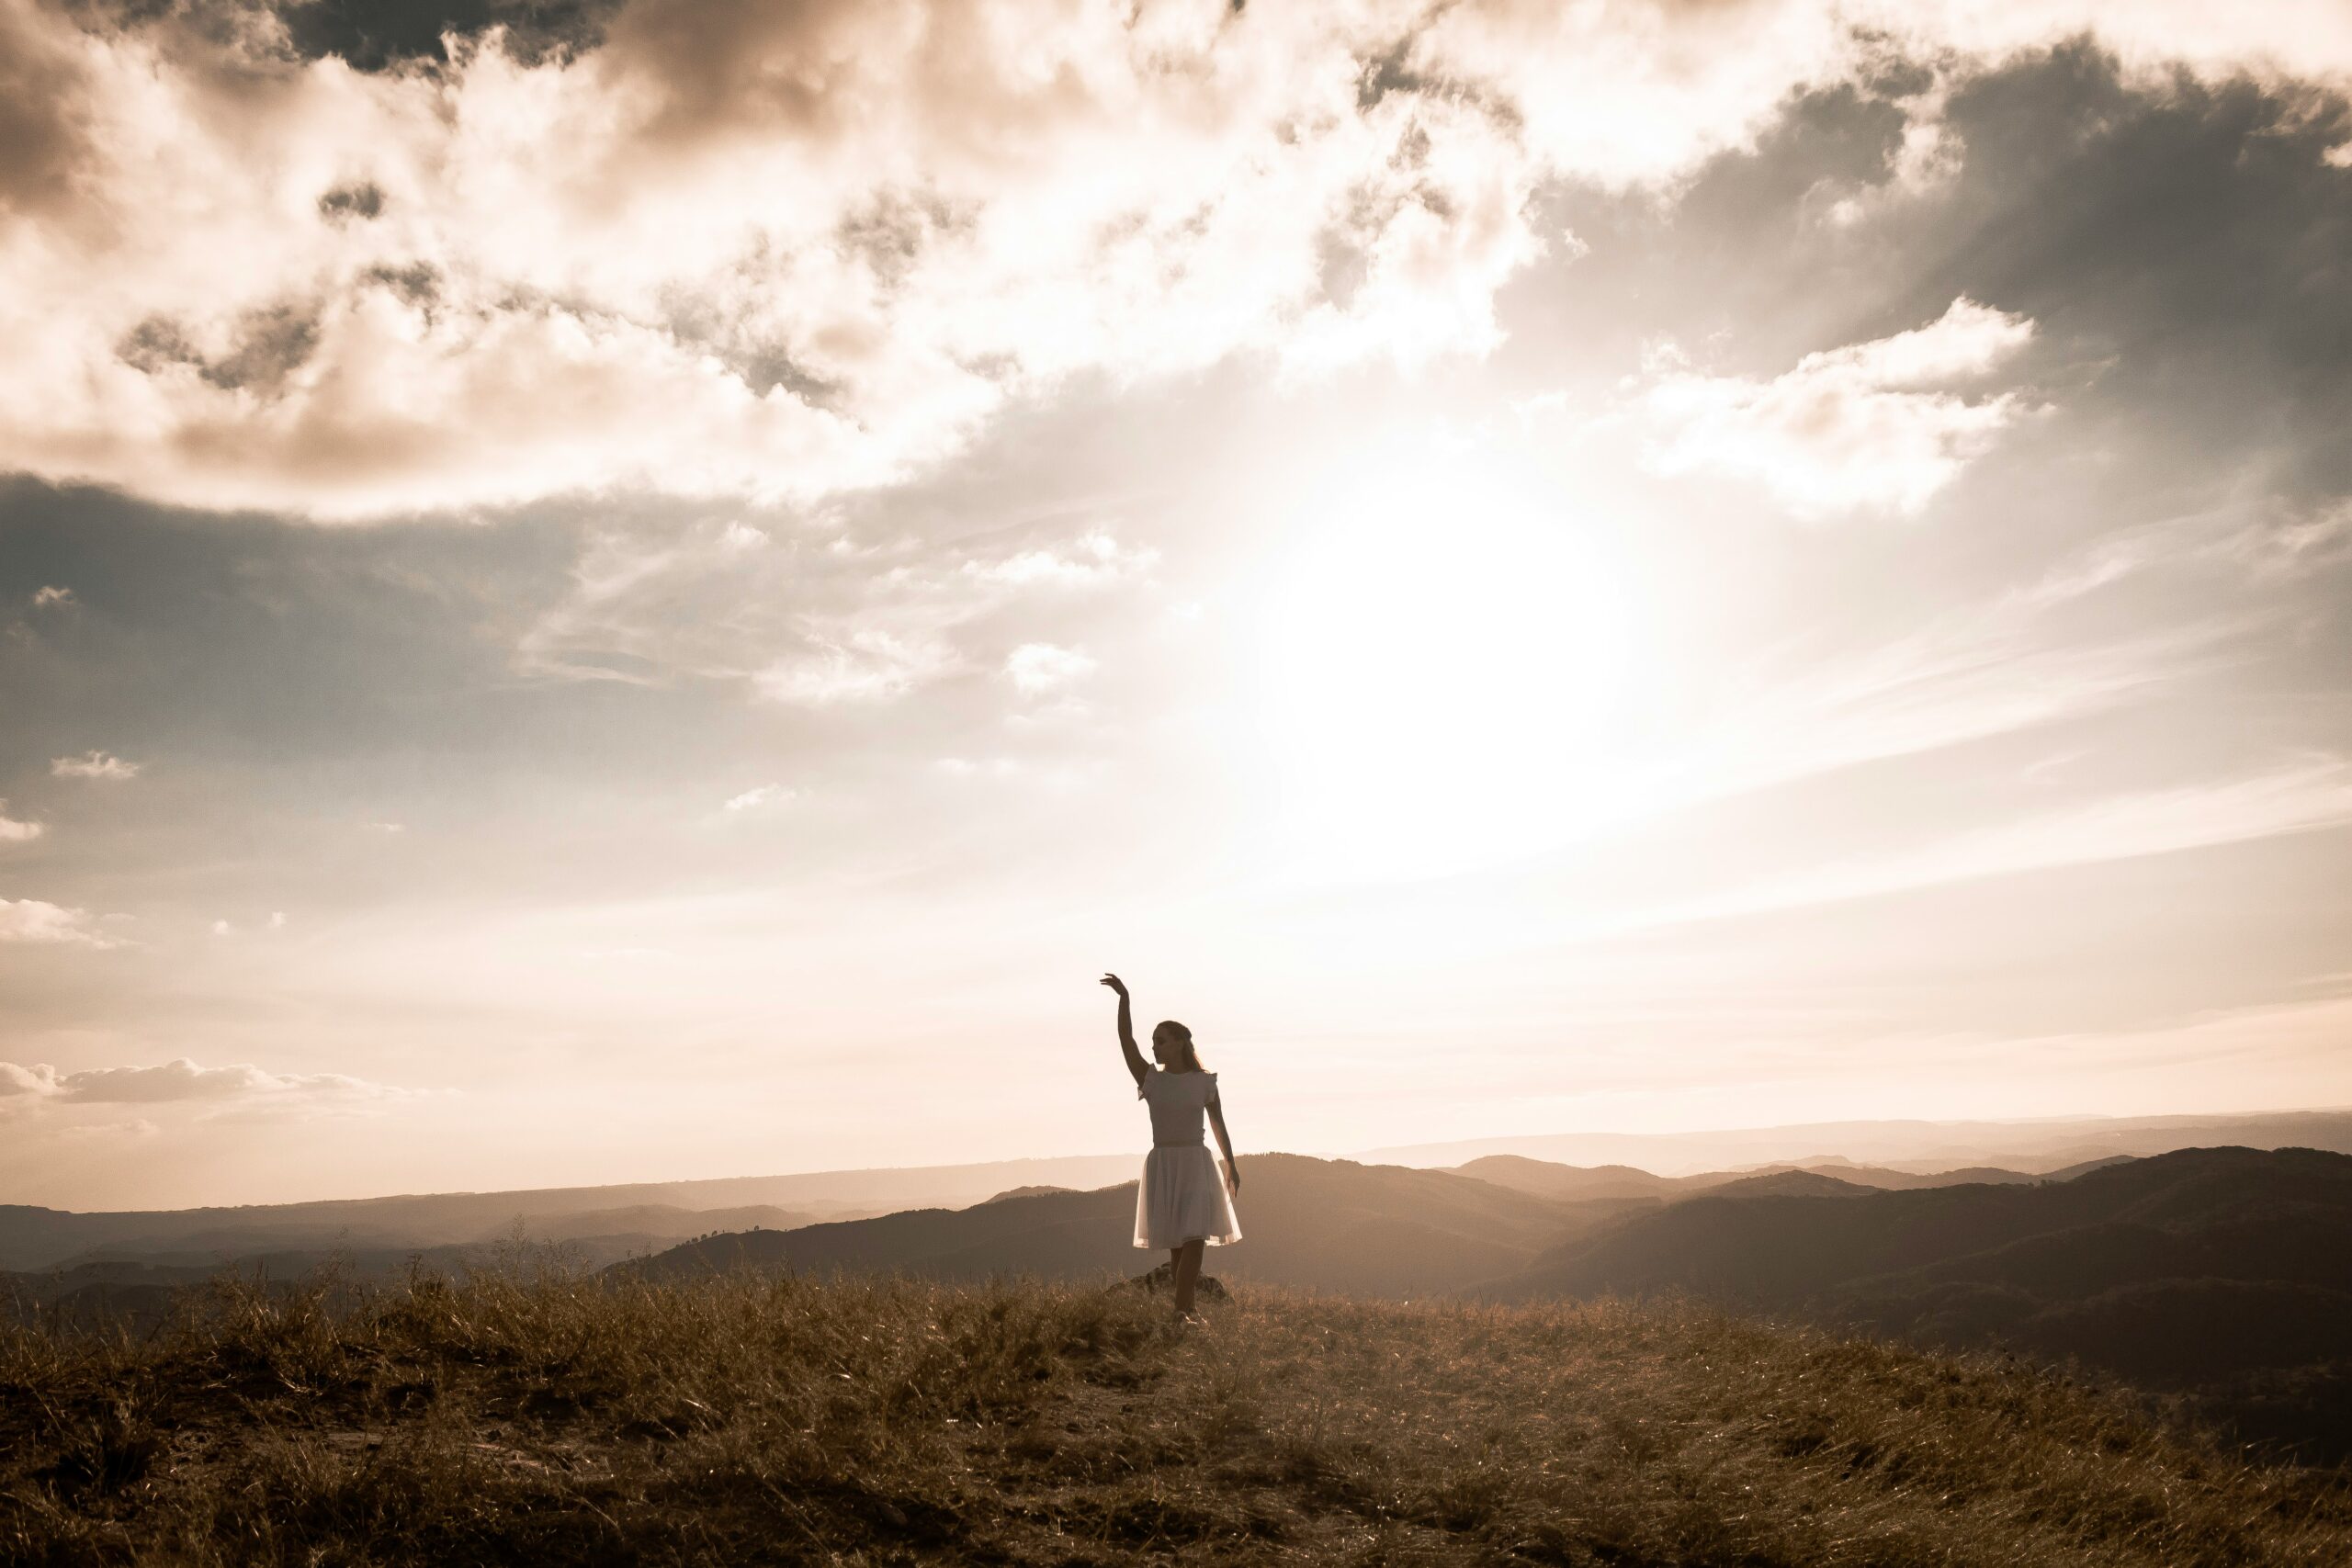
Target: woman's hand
[[1233, 1177], [1115, 984]]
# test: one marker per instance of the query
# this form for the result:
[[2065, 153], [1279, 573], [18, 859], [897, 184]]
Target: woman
[[1180, 1203]]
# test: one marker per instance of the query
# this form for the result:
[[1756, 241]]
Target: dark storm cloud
[[2182, 246], [346, 203], [42, 119], [375, 34], [368, 34], [2196, 237]]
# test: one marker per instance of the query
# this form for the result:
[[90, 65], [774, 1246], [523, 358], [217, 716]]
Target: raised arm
[[1127, 1030], [1225, 1142]]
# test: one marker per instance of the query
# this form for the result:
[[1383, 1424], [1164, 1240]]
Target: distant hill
[[2250, 1211], [2225, 1273], [1038, 1191], [1324, 1225], [2037, 1147], [631, 1218], [1591, 1195], [1547, 1179], [1578, 1183], [1785, 1184]]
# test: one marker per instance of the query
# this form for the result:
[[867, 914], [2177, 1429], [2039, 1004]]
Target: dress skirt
[[1182, 1198]]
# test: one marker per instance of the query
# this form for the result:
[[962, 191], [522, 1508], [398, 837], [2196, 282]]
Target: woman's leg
[[1175, 1266], [1188, 1273]]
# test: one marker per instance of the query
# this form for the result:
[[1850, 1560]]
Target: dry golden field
[[533, 1417]]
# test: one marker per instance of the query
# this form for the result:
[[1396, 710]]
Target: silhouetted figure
[[1184, 1202]]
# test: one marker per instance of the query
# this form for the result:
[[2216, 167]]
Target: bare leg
[[1188, 1273], [1175, 1267]]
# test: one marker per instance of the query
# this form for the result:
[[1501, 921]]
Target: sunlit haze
[[656, 593]]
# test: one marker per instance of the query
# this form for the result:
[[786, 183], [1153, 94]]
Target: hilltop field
[[558, 1418]]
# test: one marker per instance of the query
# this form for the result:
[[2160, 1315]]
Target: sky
[[615, 592]]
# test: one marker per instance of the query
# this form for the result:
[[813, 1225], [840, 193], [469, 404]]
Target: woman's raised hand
[[1115, 984]]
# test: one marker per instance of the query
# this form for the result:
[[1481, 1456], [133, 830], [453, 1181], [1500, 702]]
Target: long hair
[[1191, 1061]]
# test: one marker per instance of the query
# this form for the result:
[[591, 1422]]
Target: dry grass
[[547, 1419]]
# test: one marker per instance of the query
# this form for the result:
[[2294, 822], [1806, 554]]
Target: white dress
[[1181, 1197]]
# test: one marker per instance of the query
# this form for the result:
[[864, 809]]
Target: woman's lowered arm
[[1127, 1030], [1225, 1142]]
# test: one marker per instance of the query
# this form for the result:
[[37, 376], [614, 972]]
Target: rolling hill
[[2223, 1274], [2043, 1147], [1324, 1224], [638, 1217]]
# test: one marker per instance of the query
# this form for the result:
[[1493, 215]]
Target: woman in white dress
[[1182, 1202]]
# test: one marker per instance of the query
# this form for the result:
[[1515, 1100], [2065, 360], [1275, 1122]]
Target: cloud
[[2256, 545], [2311, 794], [179, 1081], [1039, 668], [802, 619], [79, 1132], [1095, 559], [36, 1080], [52, 596], [1064, 777], [1873, 425], [967, 768], [646, 267], [15, 832], [1963, 677], [94, 765], [33, 921], [852, 664], [705, 249], [761, 798]]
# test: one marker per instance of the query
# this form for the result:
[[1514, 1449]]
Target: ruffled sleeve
[[1210, 1099], [1143, 1084]]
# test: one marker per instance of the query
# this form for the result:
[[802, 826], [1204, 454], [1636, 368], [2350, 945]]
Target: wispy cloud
[[52, 597], [2244, 542], [854, 664], [1875, 425], [761, 797], [1037, 669], [13, 831], [809, 621], [34, 921], [94, 765], [1095, 559], [179, 1081], [2307, 795], [1962, 677]]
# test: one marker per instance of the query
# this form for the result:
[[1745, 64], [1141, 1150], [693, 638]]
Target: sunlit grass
[[541, 1417]]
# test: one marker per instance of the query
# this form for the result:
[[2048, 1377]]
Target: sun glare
[[1444, 651]]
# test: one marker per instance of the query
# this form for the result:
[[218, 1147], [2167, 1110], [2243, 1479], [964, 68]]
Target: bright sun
[[1443, 659]]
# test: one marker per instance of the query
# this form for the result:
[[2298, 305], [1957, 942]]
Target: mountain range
[[2038, 1147], [2221, 1277]]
